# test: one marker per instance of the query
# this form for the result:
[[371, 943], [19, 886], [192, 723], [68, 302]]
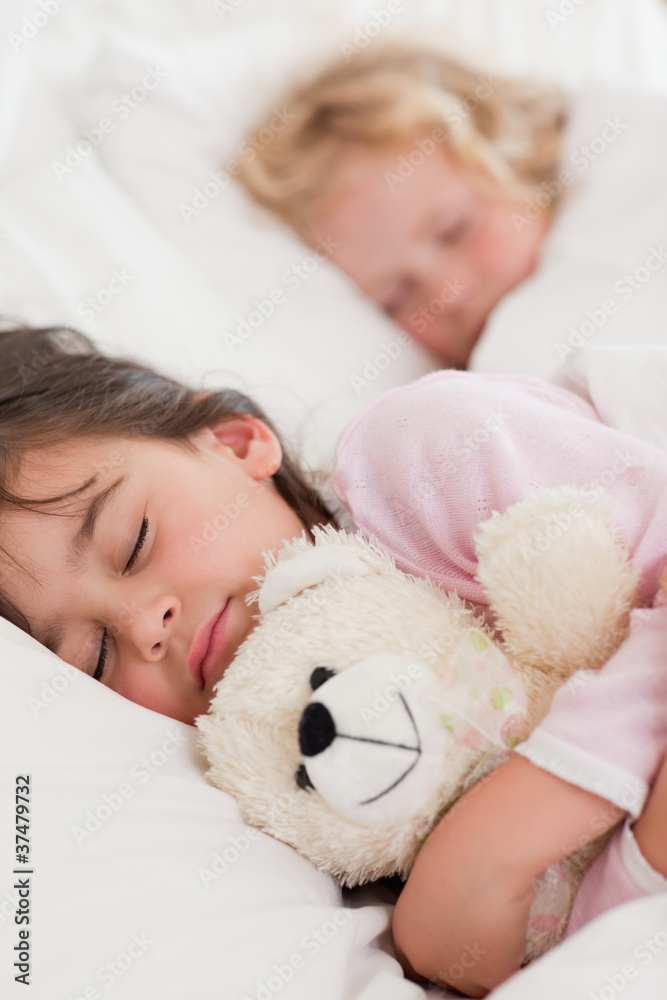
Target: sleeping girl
[[110, 472], [419, 169]]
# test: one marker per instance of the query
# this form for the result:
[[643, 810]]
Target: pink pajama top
[[426, 463]]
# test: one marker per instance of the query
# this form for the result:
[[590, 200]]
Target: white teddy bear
[[367, 701]]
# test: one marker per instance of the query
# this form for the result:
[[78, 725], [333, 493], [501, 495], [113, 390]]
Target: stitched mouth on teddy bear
[[369, 738], [317, 732]]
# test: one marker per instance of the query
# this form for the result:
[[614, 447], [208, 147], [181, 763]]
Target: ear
[[245, 440], [312, 566]]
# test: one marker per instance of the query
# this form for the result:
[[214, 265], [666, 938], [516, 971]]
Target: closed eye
[[104, 645], [143, 531]]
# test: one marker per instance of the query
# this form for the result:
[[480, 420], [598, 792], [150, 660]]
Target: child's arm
[[461, 918], [650, 829]]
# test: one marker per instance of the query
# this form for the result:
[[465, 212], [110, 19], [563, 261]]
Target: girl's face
[[149, 568], [432, 245]]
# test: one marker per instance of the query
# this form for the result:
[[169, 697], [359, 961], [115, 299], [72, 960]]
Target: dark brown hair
[[55, 385]]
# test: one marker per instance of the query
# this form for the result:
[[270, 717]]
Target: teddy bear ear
[[312, 566]]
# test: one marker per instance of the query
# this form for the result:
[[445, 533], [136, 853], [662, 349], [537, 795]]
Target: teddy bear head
[[360, 707]]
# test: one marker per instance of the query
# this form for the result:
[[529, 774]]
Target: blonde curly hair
[[392, 94]]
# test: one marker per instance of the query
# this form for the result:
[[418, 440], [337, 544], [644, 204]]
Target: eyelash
[[104, 646]]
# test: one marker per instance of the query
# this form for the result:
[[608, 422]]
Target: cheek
[[147, 687], [501, 253], [223, 540]]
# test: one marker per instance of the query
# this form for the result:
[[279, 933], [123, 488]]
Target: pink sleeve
[[428, 462], [607, 731], [620, 874]]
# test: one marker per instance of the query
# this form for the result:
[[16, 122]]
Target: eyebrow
[[77, 548]]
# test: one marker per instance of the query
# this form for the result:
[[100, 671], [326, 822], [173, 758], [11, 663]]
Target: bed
[[119, 126]]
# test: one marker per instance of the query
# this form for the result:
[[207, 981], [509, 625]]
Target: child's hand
[[461, 919]]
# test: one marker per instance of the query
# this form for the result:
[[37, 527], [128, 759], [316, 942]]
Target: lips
[[207, 647]]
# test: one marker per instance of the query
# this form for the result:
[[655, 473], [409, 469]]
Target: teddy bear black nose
[[317, 729]]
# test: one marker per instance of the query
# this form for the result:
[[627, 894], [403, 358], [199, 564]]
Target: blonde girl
[[418, 169]]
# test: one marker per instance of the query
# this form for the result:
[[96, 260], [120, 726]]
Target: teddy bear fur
[[560, 588]]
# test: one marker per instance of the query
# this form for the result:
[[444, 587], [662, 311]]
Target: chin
[[463, 355]]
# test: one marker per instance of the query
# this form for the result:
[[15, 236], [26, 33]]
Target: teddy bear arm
[[559, 580]]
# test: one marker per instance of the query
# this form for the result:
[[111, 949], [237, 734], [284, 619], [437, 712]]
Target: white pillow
[[602, 275], [142, 876]]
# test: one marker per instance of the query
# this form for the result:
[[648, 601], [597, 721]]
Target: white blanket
[[627, 386]]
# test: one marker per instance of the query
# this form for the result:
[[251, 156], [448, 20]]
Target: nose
[[149, 627], [317, 729], [446, 279]]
